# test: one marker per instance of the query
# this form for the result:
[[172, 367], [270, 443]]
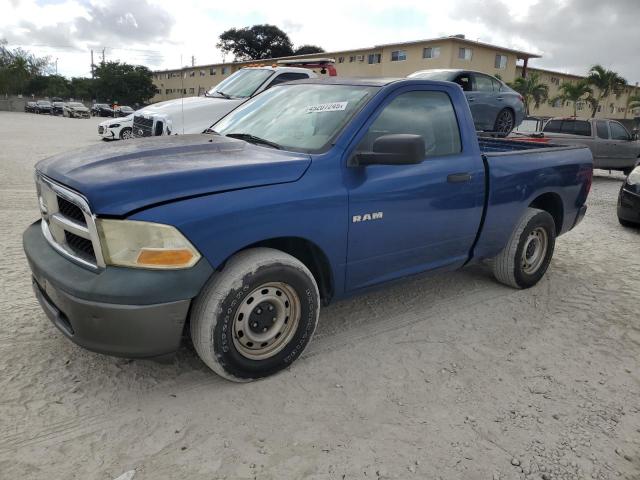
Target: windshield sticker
[[327, 107]]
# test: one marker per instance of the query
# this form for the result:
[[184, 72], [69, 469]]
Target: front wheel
[[525, 259], [126, 134], [256, 316], [505, 121]]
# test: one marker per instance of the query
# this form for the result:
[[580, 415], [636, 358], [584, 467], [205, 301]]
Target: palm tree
[[574, 92], [633, 101], [607, 82], [532, 90]]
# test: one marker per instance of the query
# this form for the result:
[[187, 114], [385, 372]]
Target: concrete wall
[[12, 103]]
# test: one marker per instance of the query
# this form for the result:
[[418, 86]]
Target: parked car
[[102, 110], [124, 111], [57, 108], [75, 110], [43, 106], [495, 106], [30, 107], [116, 128], [629, 199], [196, 114], [307, 193], [611, 144]]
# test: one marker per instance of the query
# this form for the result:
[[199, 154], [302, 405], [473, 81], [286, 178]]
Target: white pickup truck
[[197, 114]]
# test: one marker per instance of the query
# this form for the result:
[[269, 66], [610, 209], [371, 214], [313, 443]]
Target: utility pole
[[193, 61], [93, 65], [56, 65], [103, 54]]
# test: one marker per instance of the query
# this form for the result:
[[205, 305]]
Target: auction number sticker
[[327, 107]]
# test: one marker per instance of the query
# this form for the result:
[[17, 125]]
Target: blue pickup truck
[[309, 192]]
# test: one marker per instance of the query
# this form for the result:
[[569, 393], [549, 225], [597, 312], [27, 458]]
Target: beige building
[[399, 60]]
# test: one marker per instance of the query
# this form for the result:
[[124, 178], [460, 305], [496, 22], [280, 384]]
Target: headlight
[[634, 177], [114, 125], [131, 243]]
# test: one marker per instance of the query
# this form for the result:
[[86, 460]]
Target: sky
[[571, 35]]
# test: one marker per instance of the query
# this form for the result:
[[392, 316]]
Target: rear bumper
[[629, 206], [118, 311]]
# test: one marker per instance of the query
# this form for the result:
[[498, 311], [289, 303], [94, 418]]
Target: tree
[[574, 92], [532, 90], [18, 67], [306, 49], [607, 82], [632, 102], [83, 88], [124, 83], [256, 43]]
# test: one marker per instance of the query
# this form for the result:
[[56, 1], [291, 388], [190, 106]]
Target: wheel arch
[[551, 203], [307, 252]]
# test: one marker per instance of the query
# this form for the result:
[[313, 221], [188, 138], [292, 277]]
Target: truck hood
[[118, 179], [192, 114]]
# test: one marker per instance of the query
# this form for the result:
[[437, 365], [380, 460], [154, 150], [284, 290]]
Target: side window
[[553, 126], [601, 129], [464, 80], [287, 77], [428, 114], [483, 83], [618, 132]]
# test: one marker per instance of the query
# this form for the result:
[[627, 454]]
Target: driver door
[[405, 219]]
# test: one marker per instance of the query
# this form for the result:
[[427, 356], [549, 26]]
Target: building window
[[192, 90], [465, 53], [579, 106], [431, 52], [360, 58], [192, 73], [340, 59], [558, 103], [501, 62], [398, 56], [202, 73], [352, 58], [225, 70], [212, 71], [555, 81], [374, 58]]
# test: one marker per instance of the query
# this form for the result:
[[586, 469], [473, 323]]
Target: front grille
[[81, 246], [70, 210], [67, 223], [100, 129], [142, 127]]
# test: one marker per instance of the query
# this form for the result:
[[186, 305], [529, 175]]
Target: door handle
[[499, 98], [459, 177]]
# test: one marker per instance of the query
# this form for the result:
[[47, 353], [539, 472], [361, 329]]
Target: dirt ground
[[445, 377]]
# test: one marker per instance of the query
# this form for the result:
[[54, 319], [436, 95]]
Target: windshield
[[43, 102], [433, 75], [75, 104], [302, 117], [241, 84]]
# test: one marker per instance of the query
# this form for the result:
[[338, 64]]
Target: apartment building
[[401, 59]]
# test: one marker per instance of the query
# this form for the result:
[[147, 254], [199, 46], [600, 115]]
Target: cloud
[[572, 35]]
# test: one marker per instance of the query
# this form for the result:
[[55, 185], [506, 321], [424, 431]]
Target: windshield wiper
[[247, 137], [222, 94]]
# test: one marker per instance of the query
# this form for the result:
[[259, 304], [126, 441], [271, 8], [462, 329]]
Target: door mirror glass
[[395, 149]]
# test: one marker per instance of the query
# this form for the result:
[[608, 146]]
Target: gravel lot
[[452, 376]]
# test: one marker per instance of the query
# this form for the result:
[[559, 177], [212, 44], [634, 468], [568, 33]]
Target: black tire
[[505, 122], [535, 230], [263, 276], [627, 171], [126, 134], [627, 223]]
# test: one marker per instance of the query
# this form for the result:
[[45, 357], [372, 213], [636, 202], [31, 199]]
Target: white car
[[197, 114], [116, 128]]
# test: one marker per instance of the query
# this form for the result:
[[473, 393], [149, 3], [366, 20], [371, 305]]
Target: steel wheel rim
[[534, 250], [505, 122], [266, 320]]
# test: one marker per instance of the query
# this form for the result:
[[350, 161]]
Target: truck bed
[[490, 145]]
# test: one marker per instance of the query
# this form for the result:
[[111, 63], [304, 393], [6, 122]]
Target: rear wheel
[[525, 259], [627, 223], [256, 316], [505, 121]]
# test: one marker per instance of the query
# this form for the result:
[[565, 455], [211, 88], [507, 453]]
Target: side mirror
[[396, 149], [635, 136]]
